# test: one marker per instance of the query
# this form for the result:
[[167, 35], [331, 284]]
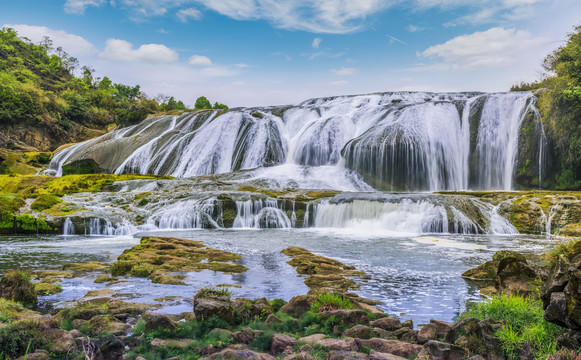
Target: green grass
[[330, 301], [563, 247], [210, 291], [523, 322]]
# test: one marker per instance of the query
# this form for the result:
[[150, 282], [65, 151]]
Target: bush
[[523, 323], [17, 285]]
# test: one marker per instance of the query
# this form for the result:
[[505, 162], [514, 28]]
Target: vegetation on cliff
[[560, 104]]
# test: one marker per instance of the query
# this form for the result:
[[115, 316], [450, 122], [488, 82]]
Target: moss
[[30, 223], [169, 279], [104, 278], [85, 166], [43, 288], [63, 209], [9, 205], [155, 256], [322, 194], [45, 201], [90, 266]]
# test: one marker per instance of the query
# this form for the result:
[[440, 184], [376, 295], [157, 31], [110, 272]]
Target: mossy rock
[[41, 275], [156, 256], [45, 201], [104, 279], [330, 282], [169, 279], [44, 288], [17, 285], [90, 266], [483, 272], [80, 167]]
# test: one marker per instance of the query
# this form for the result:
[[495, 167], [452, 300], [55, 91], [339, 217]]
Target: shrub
[[209, 291], [17, 285]]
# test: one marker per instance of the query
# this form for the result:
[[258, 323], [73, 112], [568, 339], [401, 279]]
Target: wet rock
[[388, 323], [246, 336], [281, 342], [359, 331], [104, 279], [346, 316], [395, 347], [437, 350], [298, 305], [171, 343], [346, 355], [427, 332], [88, 267], [155, 321], [408, 323]]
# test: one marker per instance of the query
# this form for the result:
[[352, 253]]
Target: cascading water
[[262, 214], [396, 141], [68, 227]]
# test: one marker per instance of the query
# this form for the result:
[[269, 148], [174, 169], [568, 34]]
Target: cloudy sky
[[268, 52]]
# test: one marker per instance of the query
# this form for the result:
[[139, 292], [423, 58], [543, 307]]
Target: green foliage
[[45, 201], [202, 103], [172, 104], [210, 291], [523, 323], [15, 340], [330, 301], [217, 105], [17, 285], [30, 223]]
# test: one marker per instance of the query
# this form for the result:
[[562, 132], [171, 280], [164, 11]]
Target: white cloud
[[316, 43], [345, 71], [496, 47], [79, 6], [190, 13], [413, 28], [199, 60], [121, 50], [72, 44]]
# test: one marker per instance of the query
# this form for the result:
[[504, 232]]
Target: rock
[[298, 305], [220, 306], [154, 321], [238, 354], [171, 343], [515, 275], [359, 331], [78, 323], [411, 336], [104, 278], [556, 311], [344, 344], [313, 339], [401, 332], [107, 324], [306, 348], [89, 267], [75, 333], [395, 347], [380, 333], [245, 336], [443, 328], [476, 336], [17, 285], [427, 332], [207, 350], [437, 350], [388, 323], [376, 355], [112, 348], [281, 342], [345, 316], [371, 309], [218, 333], [36, 355], [247, 309], [300, 356], [408, 323], [59, 341], [272, 319], [345, 355]]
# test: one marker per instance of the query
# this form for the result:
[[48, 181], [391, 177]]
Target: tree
[[220, 106], [202, 103]]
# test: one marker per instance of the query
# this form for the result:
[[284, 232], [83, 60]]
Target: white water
[[398, 141], [68, 227], [260, 214]]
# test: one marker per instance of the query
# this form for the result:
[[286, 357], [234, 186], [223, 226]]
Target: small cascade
[[293, 216], [99, 227], [555, 209], [306, 218], [260, 214], [498, 224], [68, 227], [189, 214]]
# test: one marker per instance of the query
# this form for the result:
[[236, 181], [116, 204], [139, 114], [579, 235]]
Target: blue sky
[[269, 52]]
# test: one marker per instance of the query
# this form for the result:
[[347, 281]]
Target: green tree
[[202, 103], [220, 106]]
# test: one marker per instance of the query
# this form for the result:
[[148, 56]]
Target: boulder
[[298, 305], [245, 336], [272, 319], [359, 331], [515, 275], [443, 328], [345, 355], [427, 332], [346, 316], [238, 354], [107, 324], [344, 344], [112, 348], [59, 341], [219, 306], [154, 321], [281, 342], [387, 323], [394, 347], [437, 350], [376, 355], [303, 355], [477, 337], [171, 343]]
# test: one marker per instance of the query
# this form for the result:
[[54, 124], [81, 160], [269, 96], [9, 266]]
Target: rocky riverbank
[[328, 322]]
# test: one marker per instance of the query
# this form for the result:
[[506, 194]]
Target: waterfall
[[260, 214], [68, 227], [399, 141], [97, 226], [189, 214]]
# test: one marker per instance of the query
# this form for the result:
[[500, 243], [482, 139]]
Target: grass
[[210, 291], [563, 247], [329, 301], [523, 323]]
